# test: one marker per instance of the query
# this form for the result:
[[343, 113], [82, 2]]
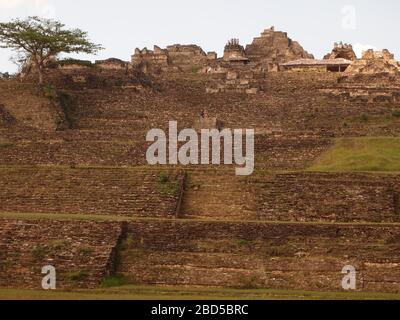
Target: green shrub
[[77, 276], [86, 251], [119, 83], [117, 280], [248, 283], [166, 185], [5, 143], [396, 113], [58, 244], [364, 117], [39, 252], [70, 61], [242, 242], [50, 92], [196, 69], [163, 178]]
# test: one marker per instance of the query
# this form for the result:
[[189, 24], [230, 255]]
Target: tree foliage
[[39, 39]]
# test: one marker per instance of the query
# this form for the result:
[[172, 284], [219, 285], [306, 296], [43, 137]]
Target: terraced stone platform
[[304, 197], [103, 191], [281, 228], [258, 255]]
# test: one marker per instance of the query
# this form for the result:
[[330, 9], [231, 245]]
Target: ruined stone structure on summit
[[150, 59], [274, 48], [235, 53], [174, 58], [212, 55], [242, 69], [112, 64], [326, 65], [233, 73], [341, 51], [373, 62]]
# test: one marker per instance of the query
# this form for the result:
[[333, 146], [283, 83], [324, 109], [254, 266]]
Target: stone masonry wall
[[271, 256], [81, 251], [100, 191], [301, 197]]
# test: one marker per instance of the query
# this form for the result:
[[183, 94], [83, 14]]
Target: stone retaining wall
[[271, 256], [81, 251]]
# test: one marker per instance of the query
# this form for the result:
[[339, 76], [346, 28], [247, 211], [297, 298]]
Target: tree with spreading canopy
[[39, 39]]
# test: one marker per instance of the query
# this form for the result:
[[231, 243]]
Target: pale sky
[[122, 25]]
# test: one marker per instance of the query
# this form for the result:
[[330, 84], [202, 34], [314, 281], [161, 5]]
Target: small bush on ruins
[[59, 244], [77, 275], [396, 113], [86, 251], [163, 178], [364, 117], [76, 62], [50, 92], [242, 242], [166, 185], [119, 83], [248, 283], [39, 252], [117, 280], [196, 69], [5, 143]]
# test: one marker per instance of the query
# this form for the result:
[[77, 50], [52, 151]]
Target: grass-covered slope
[[361, 154]]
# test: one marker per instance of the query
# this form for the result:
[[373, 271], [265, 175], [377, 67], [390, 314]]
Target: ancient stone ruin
[[186, 57], [112, 64], [173, 58], [313, 65], [234, 52], [273, 48], [342, 51], [151, 60], [373, 62], [83, 197], [338, 60], [232, 73]]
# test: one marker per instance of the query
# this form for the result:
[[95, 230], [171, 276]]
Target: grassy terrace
[[83, 217], [185, 293], [366, 154]]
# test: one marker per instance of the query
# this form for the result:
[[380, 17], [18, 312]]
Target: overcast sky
[[122, 25]]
